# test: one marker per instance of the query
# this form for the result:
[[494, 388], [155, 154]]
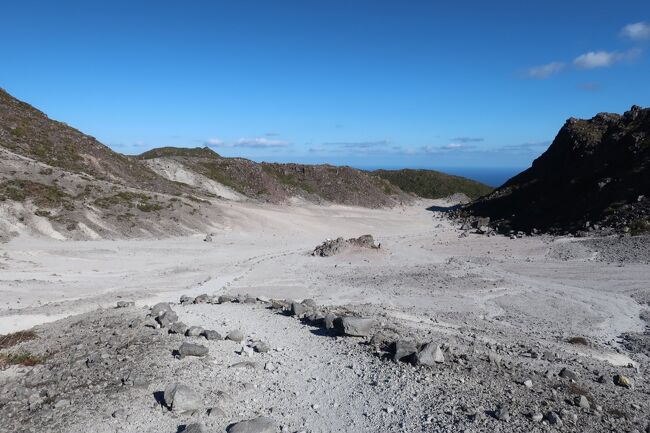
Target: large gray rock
[[185, 299], [236, 335], [297, 309], [194, 331], [210, 334], [404, 350], [159, 308], [194, 428], [201, 299], [191, 349], [182, 398], [430, 354], [354, 326], [261, 424], [178, 328], [224, 299], [166, 318], [329, 320]]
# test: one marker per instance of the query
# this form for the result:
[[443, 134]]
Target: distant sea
[[492, 176]]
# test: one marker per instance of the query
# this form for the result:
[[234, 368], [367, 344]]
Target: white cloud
[[544, 71], [256, 142], [604, 59], [214, 142], [457, 146], [636, 31], [259, 142]]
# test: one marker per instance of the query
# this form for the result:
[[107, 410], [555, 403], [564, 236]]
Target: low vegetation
[[10, 340], [24, 359], [41, 194], [433, 184]]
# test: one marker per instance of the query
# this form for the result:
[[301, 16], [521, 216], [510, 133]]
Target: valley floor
[[475, 295]]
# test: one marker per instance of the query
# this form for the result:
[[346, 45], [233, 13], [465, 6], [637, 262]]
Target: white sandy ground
[[424, 273]]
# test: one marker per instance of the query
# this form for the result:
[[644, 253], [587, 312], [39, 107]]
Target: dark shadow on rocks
[[181, 428], [159, 396], [444, 209]]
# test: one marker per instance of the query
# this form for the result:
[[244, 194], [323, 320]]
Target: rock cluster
[[336, 246]]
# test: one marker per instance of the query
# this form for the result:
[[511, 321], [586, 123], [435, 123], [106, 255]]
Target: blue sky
[[365, 83]]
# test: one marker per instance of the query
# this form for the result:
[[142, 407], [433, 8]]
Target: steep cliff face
[[596, 171]]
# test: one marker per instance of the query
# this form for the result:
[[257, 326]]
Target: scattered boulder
[[623, 381], [329, 320], [430, 354], [192, 349], [201, 299], [193, 428], [178, 328], [166, 318], [565, 373], [261, 347], [236, 335], [582, 402], [297, 309], [354, 326], [124, 304], [552, 418], [224, 299], [332, 247], [404, 350], [210, 334], [182, 398], [261, 424], [194, 331], [186, 300], [160, 308]]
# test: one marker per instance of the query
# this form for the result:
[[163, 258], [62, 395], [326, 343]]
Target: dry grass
[[14, 338], [24, 359]]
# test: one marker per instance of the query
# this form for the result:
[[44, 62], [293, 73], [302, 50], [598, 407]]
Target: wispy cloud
[[467, 139], [636, 31], [256, 142], [457, 146], [272, 134], [542, 72], [359, 144], [529, 146], [604, 59]]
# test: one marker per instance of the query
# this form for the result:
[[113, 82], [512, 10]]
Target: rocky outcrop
[[594, 174]]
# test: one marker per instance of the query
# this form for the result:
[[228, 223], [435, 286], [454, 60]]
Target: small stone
[[623, 381], [191, 349], [120, 413], [297, 309], [565, 373], [261, 347], [502, 414], [553, 418], [528, 383], [536, 417], [236, 336], [257, 425], [124, 304], [224, 299], [581, 401], [269, 366]]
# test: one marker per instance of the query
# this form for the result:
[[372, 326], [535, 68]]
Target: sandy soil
[[473, 294]]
